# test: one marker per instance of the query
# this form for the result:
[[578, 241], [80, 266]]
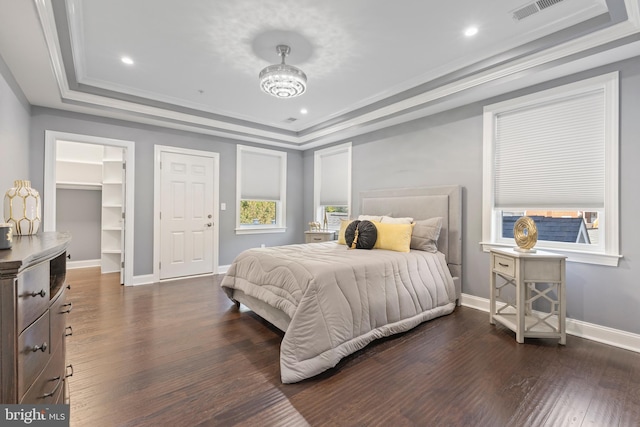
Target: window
[[261, 190], [332, 185], [553, 156]]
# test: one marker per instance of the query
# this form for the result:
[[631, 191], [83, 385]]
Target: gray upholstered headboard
[[424, 203]]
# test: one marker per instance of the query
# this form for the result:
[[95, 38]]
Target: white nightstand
[[536, 276], [318, 236]]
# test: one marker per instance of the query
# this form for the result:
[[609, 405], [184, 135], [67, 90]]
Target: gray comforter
[[340, 299]]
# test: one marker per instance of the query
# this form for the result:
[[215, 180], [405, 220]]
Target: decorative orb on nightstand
[[525, 233]]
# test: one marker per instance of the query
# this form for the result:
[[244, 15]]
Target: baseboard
[[143, 279], [83, 263], [578, 328], [147, 279]]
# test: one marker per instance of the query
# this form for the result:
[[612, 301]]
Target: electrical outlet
[[223, 206]]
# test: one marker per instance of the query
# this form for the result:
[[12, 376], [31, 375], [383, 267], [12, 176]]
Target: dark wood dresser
[[33, 319]]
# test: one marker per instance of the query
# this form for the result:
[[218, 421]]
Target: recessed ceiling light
[[127, 60], [304, 111], [471, 31]]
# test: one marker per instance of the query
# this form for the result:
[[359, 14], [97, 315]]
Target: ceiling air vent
[[290, 120], [543, 4], [533, 8]]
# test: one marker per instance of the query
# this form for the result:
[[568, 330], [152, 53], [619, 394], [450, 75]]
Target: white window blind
[[334, 181], [261, 174], [552, 155]]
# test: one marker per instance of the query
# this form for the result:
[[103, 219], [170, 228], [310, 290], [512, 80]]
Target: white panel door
[[186, 216]]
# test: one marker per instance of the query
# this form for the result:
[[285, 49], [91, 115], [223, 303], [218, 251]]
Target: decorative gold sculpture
[[525, 233]]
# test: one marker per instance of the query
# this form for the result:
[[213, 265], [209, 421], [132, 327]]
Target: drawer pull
[[69, 287], [42, 293], [68, 372], [317, 238], [42, 347], [52, 392], [68, 331], [503, 264], [70, 305]]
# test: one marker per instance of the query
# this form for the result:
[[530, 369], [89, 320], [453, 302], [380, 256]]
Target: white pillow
[[375, 218], [391, 220]]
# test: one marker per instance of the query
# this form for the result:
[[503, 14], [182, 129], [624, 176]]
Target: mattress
[[340, 299]]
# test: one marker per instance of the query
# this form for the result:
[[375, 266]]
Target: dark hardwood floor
[[180, 354]]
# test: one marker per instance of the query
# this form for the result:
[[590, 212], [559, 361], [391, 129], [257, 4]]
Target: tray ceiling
[[370, 63]]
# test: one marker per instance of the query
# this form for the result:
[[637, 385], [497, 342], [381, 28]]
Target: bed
[[331, 301]]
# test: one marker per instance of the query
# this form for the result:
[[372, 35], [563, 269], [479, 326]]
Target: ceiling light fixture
[[471, 31], [283, 80], [127, 60]]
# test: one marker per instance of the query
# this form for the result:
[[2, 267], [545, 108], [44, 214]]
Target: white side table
[[536, 276], [318, 236]]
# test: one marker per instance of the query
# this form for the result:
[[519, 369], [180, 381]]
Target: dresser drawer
[[33, 352], [48, 387], [504, 265], [58, 313], [33, 294]]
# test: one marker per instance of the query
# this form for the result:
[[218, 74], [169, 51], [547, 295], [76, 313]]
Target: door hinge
[[122, 215], [124, 165], [160, 266], [122, 264], [160, 215]]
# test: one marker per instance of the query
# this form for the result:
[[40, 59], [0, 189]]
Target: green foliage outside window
[[262, 211], [337, 209]]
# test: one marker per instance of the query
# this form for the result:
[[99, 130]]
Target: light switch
[[223, 206]]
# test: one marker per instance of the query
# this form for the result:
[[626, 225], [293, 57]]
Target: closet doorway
[[89, 188]]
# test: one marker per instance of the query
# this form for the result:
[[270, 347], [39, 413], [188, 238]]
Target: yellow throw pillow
[[343, 226], [393, 237]]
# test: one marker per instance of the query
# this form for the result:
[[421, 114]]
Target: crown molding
[[397, 112]]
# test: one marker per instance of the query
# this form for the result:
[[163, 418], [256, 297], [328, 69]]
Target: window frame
[[608, 251], [318, 155], [281, 204]]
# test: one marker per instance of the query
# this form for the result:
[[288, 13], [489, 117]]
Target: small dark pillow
[[367, 234], [350, 232]]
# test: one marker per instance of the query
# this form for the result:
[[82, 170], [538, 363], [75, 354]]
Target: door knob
[[209, 224], [209, 216]]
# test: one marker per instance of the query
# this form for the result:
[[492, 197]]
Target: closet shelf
[[71, 185]]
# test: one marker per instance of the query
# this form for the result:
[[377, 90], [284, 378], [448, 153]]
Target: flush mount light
[[303, 111], [471, 31], [283, 80], [127, 60]]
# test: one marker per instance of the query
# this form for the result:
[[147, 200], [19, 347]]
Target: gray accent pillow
[[424, 236]]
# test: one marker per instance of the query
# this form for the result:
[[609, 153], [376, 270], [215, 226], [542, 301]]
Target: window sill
[[260, 230], [597, 258]]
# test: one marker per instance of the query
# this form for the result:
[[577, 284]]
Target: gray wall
[[14, 132], [145, 137], [80, 212], [447, 149], [442, 149]]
